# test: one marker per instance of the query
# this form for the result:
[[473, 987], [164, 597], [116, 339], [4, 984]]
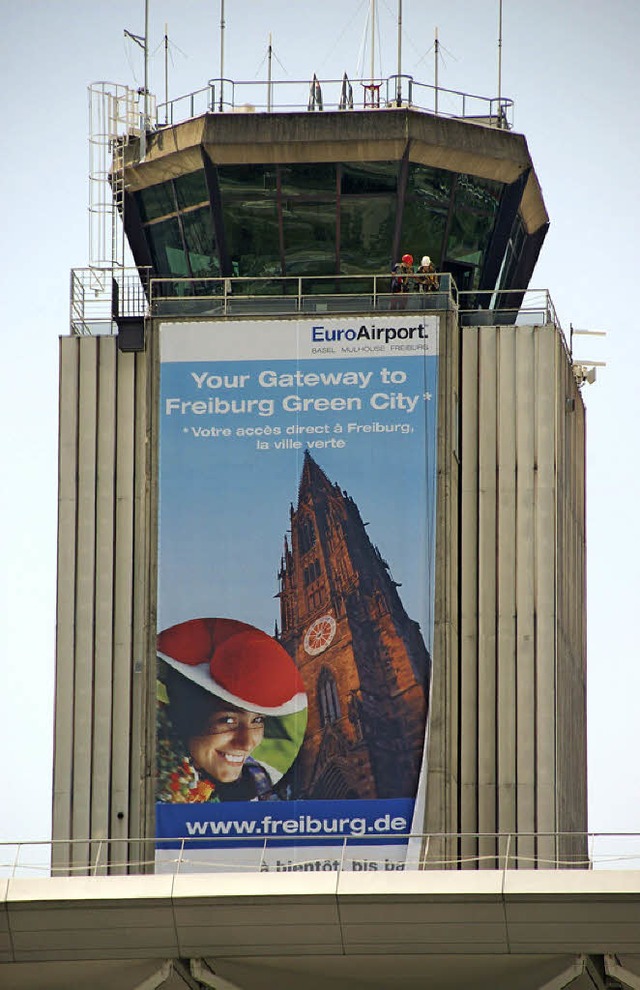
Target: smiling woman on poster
[[231, 713]]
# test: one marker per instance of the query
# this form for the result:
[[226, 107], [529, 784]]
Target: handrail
[[291, 95], [425, 851], [99, 297]]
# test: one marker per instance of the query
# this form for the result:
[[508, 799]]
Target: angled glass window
[[251, 228], [191, 189], [309, 230], [474, 193], [167, 249], [200, 242], [308, 179], [245, 179], [429, 185], [366, 233], [156, 201], [369, 178], [423, 229]]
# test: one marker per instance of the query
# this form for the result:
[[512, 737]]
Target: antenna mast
[[436, 50], [221, 51], [269, 54], [499, 54], [143, 42], [399, 87], [373, 39], [166, 73]]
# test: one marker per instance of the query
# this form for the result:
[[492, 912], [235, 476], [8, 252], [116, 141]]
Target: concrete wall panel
[[102, 560]]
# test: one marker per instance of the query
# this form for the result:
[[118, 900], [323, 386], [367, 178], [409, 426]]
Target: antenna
[[436, 51], [146, 78], [500, 58], [585, 370], [399, 87], [143, 42], [269, 54], [221, 51], [373, 39], [166, 73]]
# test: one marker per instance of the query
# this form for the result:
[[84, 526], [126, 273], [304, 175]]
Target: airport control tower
[[258, 331]]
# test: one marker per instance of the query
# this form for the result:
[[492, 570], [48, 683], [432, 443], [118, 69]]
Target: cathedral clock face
[[319, 635]]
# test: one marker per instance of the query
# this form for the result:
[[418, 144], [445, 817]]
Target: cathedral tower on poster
[[362, 659]]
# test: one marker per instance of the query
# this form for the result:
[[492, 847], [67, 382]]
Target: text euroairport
[[332, 335]]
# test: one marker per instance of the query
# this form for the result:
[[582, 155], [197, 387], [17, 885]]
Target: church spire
[[313, 480]]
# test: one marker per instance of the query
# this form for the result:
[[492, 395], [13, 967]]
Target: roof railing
[[348, 95]]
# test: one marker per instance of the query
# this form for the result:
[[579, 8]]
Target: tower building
[[260, 316]]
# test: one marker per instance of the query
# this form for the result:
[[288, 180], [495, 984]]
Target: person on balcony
[[401, 281], [426, 278]]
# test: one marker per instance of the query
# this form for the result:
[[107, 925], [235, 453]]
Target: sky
[[573, 72]]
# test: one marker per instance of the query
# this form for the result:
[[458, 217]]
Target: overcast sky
[[573, 71]]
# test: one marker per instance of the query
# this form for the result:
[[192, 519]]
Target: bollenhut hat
[[236, 662], [425, 261], [407, 259]]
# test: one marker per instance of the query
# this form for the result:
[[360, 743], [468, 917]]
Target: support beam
[[157, 979]]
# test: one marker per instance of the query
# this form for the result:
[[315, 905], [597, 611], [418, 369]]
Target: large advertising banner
[[297, 516]]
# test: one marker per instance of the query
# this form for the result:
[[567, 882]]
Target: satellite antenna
[[585, 370]]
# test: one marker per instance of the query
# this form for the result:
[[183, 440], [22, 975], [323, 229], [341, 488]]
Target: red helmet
[[407, 259]]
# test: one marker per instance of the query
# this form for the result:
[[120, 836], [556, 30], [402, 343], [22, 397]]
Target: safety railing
[[491, 307], [289, 295], [419, 851], [382, 93], [100, 296]]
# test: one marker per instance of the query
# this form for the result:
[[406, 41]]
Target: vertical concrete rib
[[104, 582], [487, 600], [525, 544], [65, 646], [122, 611], [442, 790], [84, 603], [468, 725], [139, 680], [545, 590], [571, 653], [507, 549]]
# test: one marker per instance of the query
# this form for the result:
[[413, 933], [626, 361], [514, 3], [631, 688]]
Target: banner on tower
[[296, 584]]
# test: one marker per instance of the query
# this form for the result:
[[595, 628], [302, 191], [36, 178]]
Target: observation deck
[[333, 178]]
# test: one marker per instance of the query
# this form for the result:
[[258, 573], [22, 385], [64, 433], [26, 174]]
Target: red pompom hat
[[236, 662]]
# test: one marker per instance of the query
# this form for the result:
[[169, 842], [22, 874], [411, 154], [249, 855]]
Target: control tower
[[249, 222]]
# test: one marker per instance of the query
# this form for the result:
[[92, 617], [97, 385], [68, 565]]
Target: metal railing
[[383, 93], [100, 296], [289, 295], [424, 851], [496, 307]]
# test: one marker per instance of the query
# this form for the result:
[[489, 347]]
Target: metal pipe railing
[[424, 851], [287, 95]]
